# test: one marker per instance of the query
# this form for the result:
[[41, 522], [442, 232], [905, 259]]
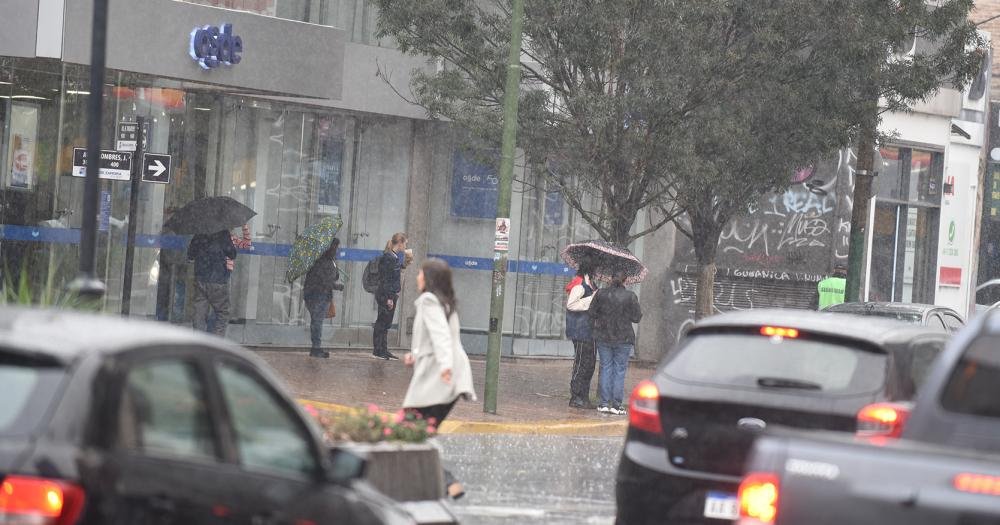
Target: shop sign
[[214, 46], [474, 188], [115, 165]]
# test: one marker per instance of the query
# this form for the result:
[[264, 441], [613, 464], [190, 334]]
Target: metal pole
[[511, 92], [87, 284], [133, 204]]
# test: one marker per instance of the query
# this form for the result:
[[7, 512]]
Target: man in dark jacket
[[321, 281], [390, 267], [614, 310], [208, 252]]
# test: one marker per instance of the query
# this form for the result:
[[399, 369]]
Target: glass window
[[29, 388], [935, 321], [163, 411], [923, 356], [747, 360], [974, 385], [268, 435]]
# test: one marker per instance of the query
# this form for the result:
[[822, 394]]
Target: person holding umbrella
[[209, 253], [580, 292], [321, 281]]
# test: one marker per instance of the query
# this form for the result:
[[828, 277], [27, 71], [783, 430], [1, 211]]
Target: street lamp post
[[501, 241], [86, 284]]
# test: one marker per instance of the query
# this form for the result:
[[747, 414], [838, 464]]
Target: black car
[[735, 375], [939, 317], [104, 420]]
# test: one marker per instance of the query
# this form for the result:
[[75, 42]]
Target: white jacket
[[576, 302], [437, 345]]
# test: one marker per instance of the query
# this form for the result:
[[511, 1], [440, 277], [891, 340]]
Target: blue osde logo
[[213, 46]]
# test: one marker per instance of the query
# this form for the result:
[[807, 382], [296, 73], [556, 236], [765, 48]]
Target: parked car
[[735, 374], [944, 471], [940, 317], [105, 420]]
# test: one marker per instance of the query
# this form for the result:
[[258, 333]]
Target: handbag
[[331, 312]]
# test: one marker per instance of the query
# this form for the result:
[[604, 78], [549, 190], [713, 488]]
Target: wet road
[[533, 479]]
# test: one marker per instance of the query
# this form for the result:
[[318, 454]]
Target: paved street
[[534, 479]]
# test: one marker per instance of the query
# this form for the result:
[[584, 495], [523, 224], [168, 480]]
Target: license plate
[[722, 506]]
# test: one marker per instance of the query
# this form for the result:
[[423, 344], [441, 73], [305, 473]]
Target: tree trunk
[[861, 209], [706, 244]]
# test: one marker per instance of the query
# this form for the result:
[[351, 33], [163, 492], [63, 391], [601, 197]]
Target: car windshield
[[29, 387], [794, 365]]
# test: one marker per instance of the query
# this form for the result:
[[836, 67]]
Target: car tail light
[[643, 407], [977, 484], [758, 497], [882, 420], [777, 331], [39, 501]]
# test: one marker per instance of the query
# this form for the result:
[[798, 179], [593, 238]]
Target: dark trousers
[[584, 362], [318, 307], [438, 413], [212, 297], [380, 330]]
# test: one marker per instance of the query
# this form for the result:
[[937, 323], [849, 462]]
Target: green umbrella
[[310, 245]]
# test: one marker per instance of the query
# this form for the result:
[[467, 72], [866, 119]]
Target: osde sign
[[213, 46]]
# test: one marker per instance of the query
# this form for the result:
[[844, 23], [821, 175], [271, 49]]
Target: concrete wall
[[18, 26], [152, 37]]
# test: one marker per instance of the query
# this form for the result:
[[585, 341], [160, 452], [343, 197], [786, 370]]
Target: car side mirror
[[346, 465]]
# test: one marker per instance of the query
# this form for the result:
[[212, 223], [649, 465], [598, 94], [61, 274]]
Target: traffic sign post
[[137, 173], [156, 168]]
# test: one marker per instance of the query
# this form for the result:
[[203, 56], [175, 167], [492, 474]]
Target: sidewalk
[[533, 395]]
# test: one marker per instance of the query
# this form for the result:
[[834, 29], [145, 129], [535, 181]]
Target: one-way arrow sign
[[156, 168]]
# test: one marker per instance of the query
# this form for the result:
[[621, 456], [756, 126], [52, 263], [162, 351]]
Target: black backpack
[[371, 280]]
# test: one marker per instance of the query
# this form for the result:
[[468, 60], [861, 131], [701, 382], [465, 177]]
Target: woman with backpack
[[441, 370], [321, 281], [579, 330], [389, 268]]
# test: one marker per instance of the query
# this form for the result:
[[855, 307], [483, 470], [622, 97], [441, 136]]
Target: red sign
[[950, 276]]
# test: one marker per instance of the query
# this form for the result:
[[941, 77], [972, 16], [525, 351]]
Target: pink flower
[[311, 410], [387, 432], [431, 429], [400, 416], [431, 421], [385, 418], [372, 408]]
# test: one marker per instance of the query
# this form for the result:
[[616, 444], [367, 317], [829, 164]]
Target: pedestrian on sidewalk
[[831, 291], [209, 253], [390, 268], [579, 329], [614, 309], [321, 281], [441, 370]]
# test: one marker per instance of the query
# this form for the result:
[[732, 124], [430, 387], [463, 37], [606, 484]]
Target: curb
[[565, 427]]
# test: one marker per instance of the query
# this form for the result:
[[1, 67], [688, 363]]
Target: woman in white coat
[[441, 371]]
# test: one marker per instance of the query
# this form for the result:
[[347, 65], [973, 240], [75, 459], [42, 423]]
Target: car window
[[915, 363], [747, 359], [934, 321], [29, 387], [268, 435], [974, 385], [953, 323], [164, 411], [899, 315]]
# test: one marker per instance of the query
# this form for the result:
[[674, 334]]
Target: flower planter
[[402, 471]]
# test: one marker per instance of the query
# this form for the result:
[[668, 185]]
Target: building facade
[[308, 123]]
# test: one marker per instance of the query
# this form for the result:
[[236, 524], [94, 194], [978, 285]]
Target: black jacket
[[209, 253], [321, 280], [389, 269], [614, 309]]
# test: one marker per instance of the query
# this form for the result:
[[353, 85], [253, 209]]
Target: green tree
[[690, 110]]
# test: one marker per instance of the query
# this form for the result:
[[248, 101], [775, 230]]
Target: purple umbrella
[[605, 258]]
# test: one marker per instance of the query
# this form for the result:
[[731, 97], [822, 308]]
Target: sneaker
[[619, 410], [377, 355], [389, 357], [319, 353], [604, 409]]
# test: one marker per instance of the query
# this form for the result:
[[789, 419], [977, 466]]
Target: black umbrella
[[605, 258], [209, 215]]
